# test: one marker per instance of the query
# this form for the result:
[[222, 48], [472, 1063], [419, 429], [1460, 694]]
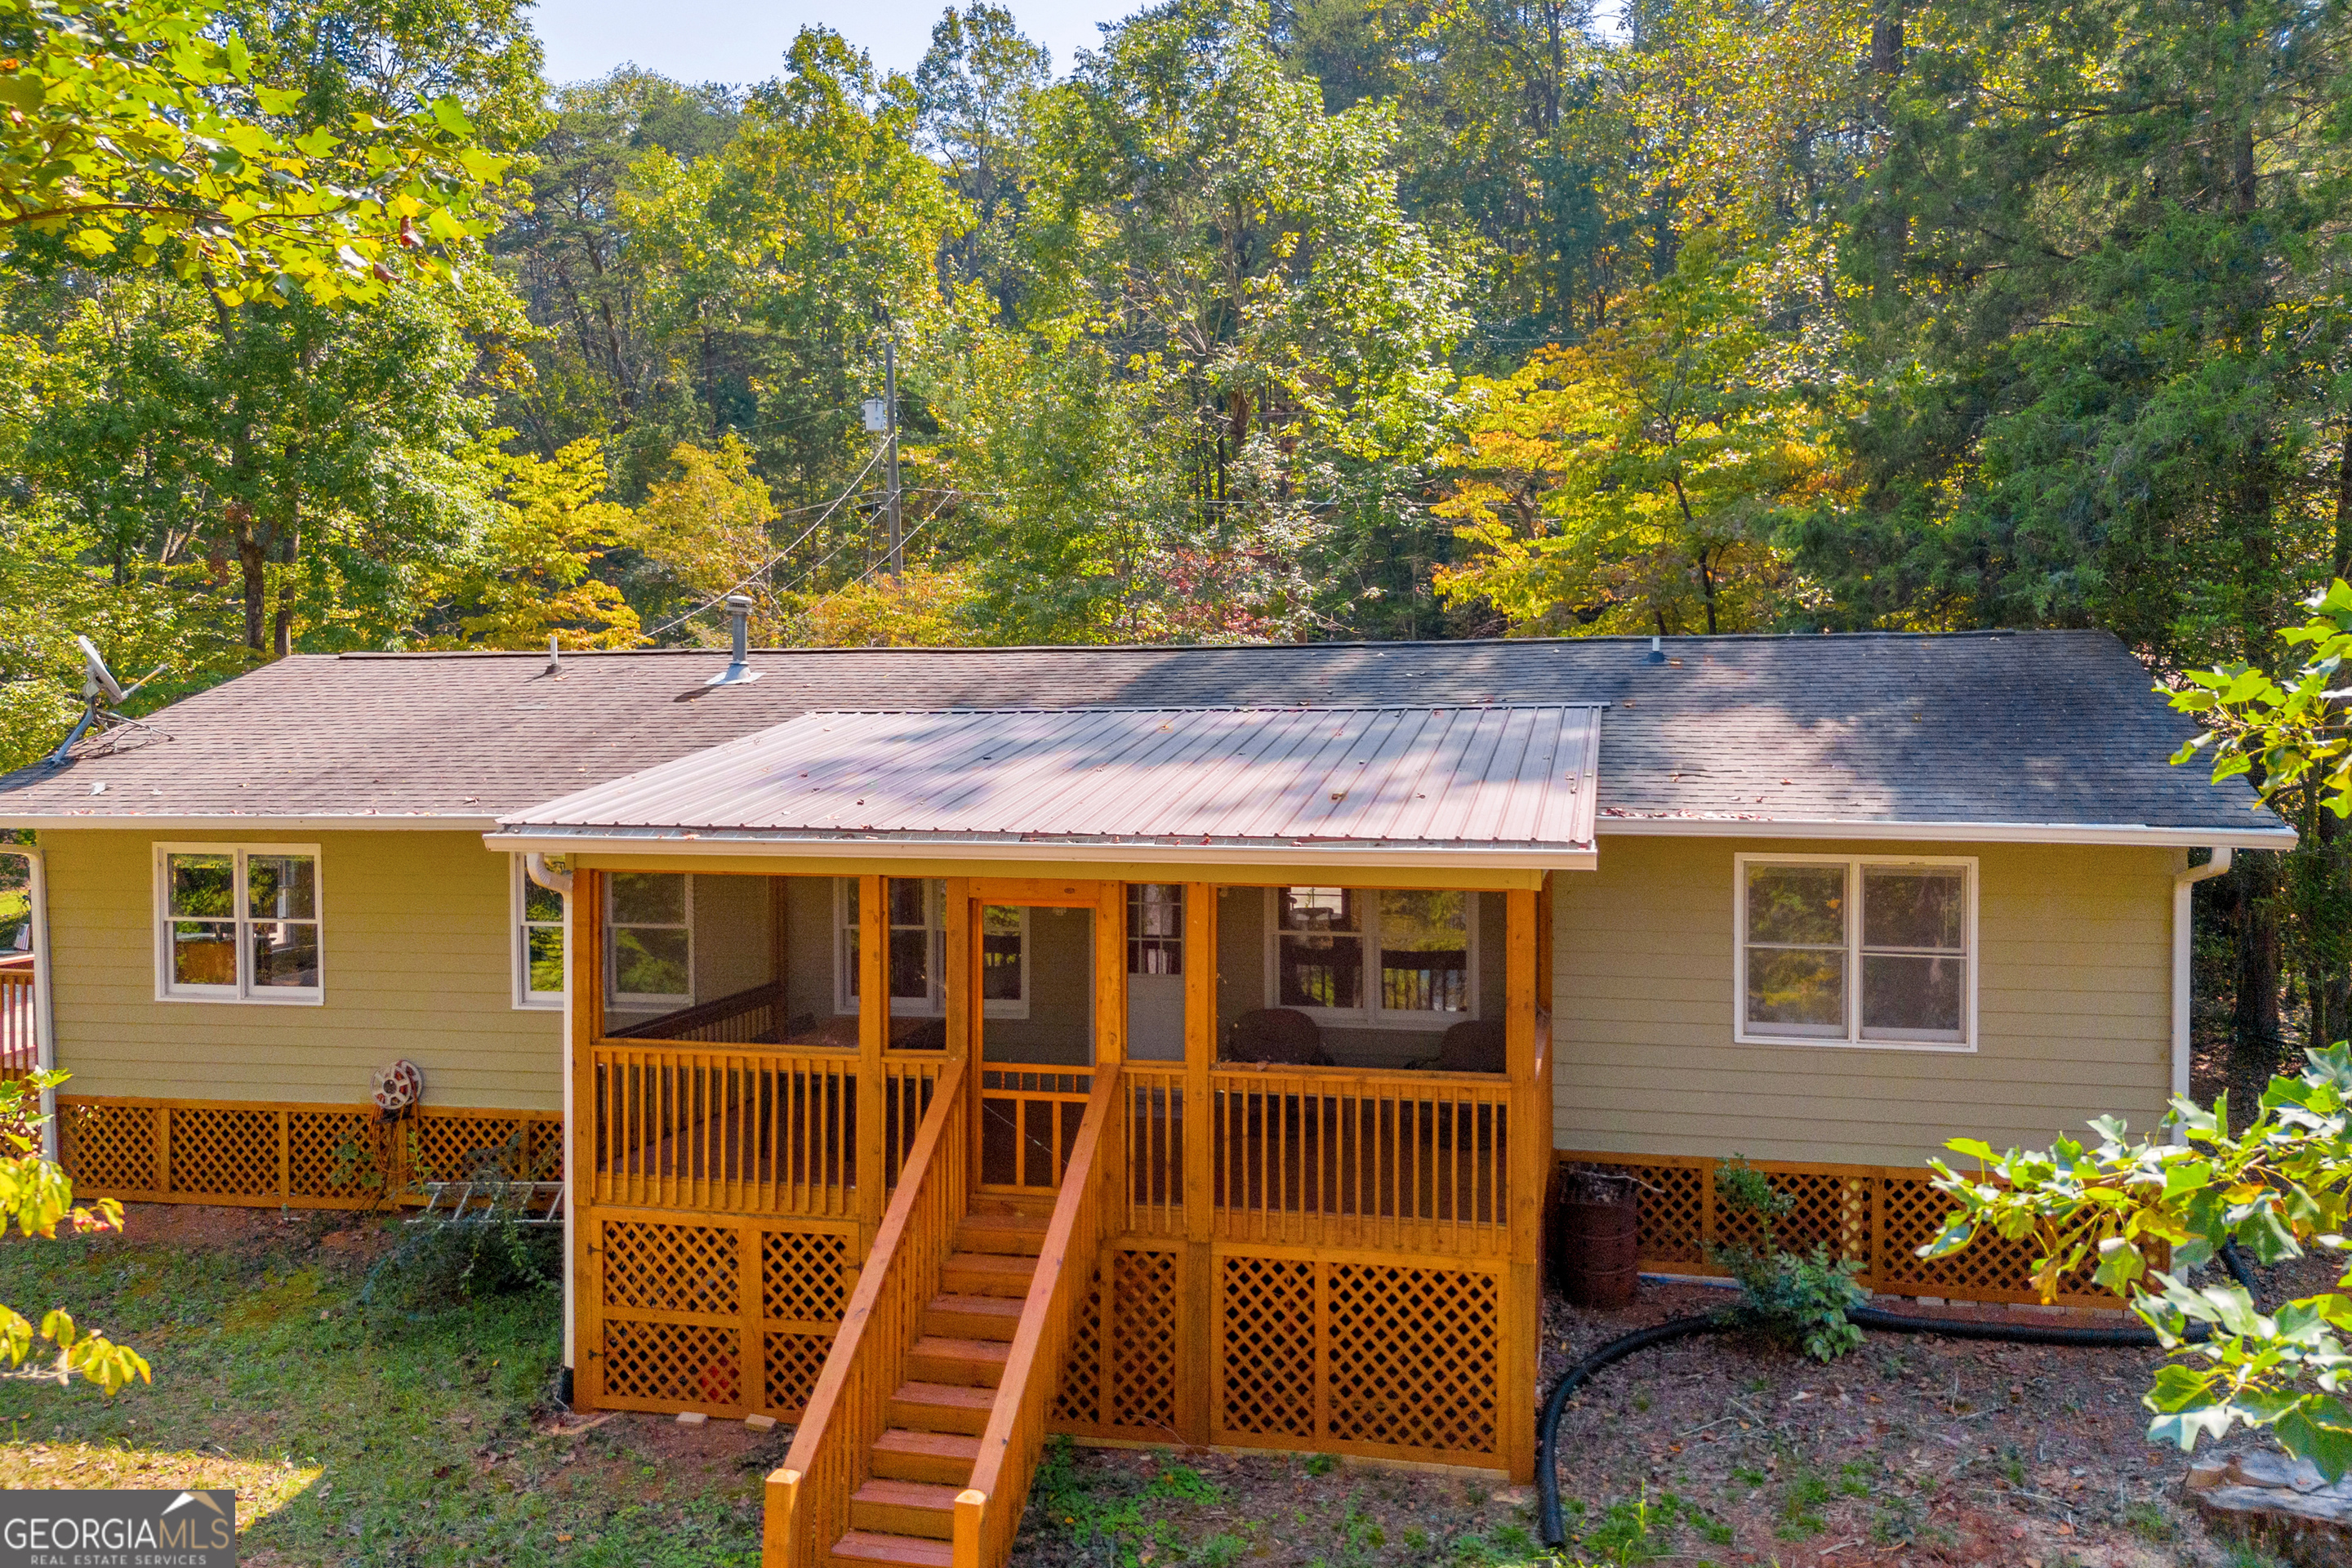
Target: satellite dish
[[101, 694]]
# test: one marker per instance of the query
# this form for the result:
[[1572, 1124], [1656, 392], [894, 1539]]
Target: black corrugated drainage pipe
[[1555, 1533]]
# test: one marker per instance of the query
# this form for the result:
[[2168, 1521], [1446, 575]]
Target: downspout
[[2182, 918], [44, 1020], [536, 868]]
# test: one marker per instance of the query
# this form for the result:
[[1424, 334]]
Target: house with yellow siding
[[939, 1048]]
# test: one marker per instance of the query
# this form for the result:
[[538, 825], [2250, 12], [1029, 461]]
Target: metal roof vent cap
[[738, 670], [1657, 650]]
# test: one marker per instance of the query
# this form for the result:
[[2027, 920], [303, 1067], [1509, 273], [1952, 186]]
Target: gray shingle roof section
[[2056, 728]]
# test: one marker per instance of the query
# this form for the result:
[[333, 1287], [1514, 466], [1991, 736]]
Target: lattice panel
[[800, 1272], [334, 1154], [1674, 1210], [459, 1148], [218, 1152], [1079, 1399], [1144, 1302], [670, 1268], [1414, 1353], [794, 1361], [109, 1148], [1829, 1210], [692, 1366], [1269, 1364]]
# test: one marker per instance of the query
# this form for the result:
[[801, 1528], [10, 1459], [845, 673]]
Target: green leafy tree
[[37, 1197], [136, 129]]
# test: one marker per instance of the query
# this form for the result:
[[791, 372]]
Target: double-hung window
[[1856, 951], [651, 917], [237, 924], [1388, 957], [538, 941], [916, 934]]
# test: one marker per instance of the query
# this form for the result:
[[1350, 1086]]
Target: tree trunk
[[254, 580], [2254, 1021], [289, 550]]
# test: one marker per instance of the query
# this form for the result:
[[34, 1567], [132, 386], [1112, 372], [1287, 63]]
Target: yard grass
[[15, 905], [352, 1438]]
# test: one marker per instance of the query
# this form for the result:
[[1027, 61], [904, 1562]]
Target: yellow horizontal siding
[[415, 951], [2073, 947]]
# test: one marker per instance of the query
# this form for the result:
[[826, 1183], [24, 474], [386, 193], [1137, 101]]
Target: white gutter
[[230, 822], [536, 868], [724, 841], [2280, 838], [44, 1020], [2183, 920]]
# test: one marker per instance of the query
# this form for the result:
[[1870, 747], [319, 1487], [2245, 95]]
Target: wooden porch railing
[[19, 1050], [808, 1497], [1154, 1143], [988, 1511], [1334, 1157], [738, 1020], [745, 1132]]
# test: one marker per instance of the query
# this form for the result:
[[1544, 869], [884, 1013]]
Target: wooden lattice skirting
[[726, 1314], [267, 1154], [1878, 1216]]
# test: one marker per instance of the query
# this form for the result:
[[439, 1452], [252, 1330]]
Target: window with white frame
[[238, 922], [650, 917], [1396, 958], [1155, 927], [918, 946], [1856, 951], [538, 941]]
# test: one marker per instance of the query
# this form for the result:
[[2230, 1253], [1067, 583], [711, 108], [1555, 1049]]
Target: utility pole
[[890, 397]]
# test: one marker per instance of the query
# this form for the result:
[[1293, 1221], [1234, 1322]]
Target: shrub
[[438, 1266], [1800, 1303]]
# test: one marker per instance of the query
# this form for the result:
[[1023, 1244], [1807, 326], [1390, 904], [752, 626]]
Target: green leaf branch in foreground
[[2121, 1205], [128, 129], [2292, 733], [38, 1197]]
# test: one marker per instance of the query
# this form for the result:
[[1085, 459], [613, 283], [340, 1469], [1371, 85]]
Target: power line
[[830, 508]]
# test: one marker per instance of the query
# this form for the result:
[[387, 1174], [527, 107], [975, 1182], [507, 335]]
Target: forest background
[[1339, 318]]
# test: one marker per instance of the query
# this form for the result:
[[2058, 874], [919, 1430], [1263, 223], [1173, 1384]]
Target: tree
[[38, 1197], [704, 533], [131, 128], [526, 578], [1637, 483]]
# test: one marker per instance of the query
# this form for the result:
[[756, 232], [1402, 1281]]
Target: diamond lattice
[[1989, 1268], [223, 1154], [793, 1361], [1828, 1211], [1414, 1353], [1143, 1340], [1079, 1399], [1268, 1372], [334, 1154], [800, 1275], [463, 1148], [110, 1148], [694, 1366], [1674, 1207], [670, 1268]]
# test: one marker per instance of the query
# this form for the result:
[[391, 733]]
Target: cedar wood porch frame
[[880, 1072]]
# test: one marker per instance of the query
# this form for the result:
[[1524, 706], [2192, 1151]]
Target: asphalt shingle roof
[[2052, 728]]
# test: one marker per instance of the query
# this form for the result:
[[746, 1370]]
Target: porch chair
[[1275, 1035], [1474, 1045]]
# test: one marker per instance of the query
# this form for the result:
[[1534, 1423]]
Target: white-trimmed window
[[918, 936], [1869, 950], [1383, 958], [538, 941], [650, 917], [237, 924]]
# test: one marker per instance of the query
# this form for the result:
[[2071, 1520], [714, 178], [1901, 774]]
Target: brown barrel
[[1598, 1249]]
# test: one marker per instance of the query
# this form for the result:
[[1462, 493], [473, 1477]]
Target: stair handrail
[[808, 1496], [988, 1511]]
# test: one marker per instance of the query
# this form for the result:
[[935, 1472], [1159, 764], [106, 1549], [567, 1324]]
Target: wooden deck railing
[[19, 1047], [1336, 1157], [988, 1511], [1154, 1143], [808, 1497], [737, 1020], [744, 1131]]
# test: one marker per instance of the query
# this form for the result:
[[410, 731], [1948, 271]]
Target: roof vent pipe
[[1657, 650], [738, 670]]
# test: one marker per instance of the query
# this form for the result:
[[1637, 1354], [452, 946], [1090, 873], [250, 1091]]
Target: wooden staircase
[[905, 1514]]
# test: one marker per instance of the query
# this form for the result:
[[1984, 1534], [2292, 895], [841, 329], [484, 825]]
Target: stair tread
[[913, 1550], [962, 1349], [1010, 1265], [937, 1444], [1001, 1234], [908, 1494], [959, 1395], [993, 1306]]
